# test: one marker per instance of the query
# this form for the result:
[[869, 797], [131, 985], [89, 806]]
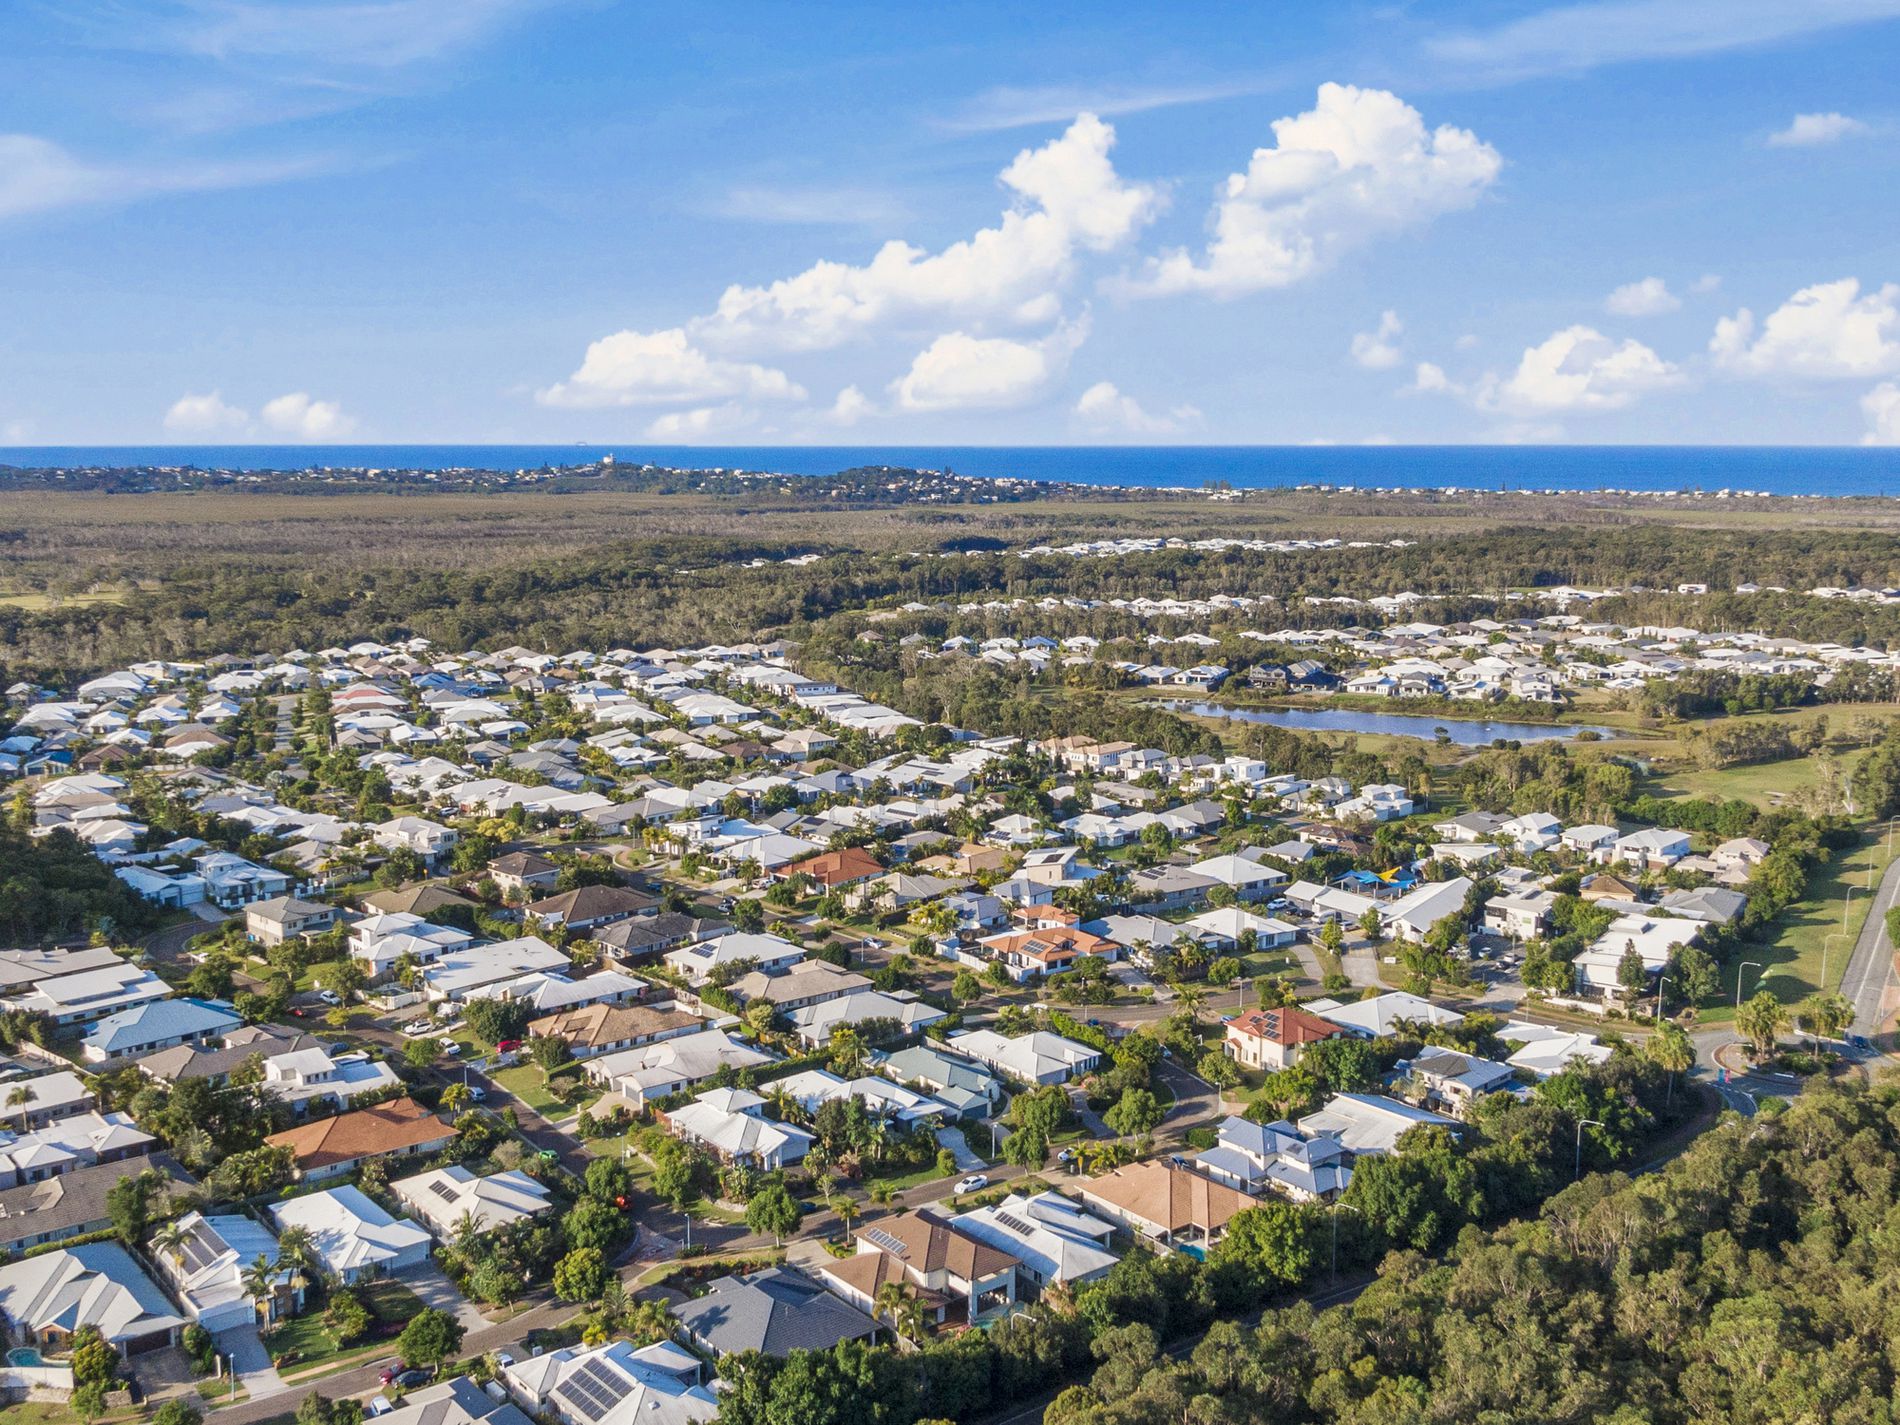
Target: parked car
[[448, 1046], [381, 1406], [976, 1182], [415, 1029], [330, 997], [477, 1094], [508, 1046]]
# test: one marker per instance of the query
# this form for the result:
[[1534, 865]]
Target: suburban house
[[428, 839], [206, 1271], [806, 982], [384, 939], [591, 907], [774, 1311], [833, 870], [957, 1276], [1166, 1203], [231, 881], [43, 1100], [669, 1066], [752, 951], [440, 1199], [72, 1204], [352, 1236], [1034, 1058], [401, 1128], [1367, 1124], [1519, 917], [968, 1088], [1256, 1157], [282, 918], [1412, 915], [1054, 1241], [615, 1384], [902, 1008], [89, 995], [1024, 954], [68, 1144], [1274, 1038], [882, 1098], [1655, 848], [311, 1076], [521, 871], [1455, 1081], [1382, 1014], [730, 1123], [467, 969], [46, 1299], [604, 1028], [162, 1024]]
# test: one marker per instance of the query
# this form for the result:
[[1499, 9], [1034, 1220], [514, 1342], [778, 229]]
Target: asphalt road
[[1870, 968]]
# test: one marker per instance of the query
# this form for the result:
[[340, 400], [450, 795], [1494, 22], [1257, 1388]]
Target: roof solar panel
[[878, 1237], [1014, 1223], [443, 1191]]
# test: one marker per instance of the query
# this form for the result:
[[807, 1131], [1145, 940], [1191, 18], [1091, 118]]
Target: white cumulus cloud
[[1103, 407], [1831, 330], [1357, 165], [958, 371], [1578, 369], [633, 368], [1379, 350], [1881, 406], [1068, 198], [1810, 130], [208, 414], [1650, 297], [302, 418]]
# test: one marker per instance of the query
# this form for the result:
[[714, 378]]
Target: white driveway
[[251, 1361], [432, 1284]]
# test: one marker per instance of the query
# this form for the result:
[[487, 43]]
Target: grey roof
[[191, 1061], [1710, 903], [161, 1019], [74, 1202], [776, 1311]]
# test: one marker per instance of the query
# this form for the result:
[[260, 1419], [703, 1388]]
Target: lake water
[[1463, 733]]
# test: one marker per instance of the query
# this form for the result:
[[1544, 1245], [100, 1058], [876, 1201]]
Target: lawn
[[1810, 932], [1764, 783], [312, 1344], [526, 1082]]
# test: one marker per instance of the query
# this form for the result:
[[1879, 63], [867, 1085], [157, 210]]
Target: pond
[[1459, 731]]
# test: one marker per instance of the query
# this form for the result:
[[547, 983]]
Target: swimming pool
[[24, 1356]]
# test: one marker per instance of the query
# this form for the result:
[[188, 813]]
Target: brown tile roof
[[593, 902], [363, 1133], [1168, 1197], [932, 1244], [1291, 1025], [595, 1024]]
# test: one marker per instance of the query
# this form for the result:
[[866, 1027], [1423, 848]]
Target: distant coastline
[[1835, 471]]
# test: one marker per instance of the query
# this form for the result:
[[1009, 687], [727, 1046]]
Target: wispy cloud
[[1010, 107], [813, 206], [1570, 38], [38, 176]]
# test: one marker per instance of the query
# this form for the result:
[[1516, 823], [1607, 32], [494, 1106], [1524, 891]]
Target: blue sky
[[537, 220]]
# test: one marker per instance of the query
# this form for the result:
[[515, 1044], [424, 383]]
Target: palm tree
[[20, 1098], [845, 1208], [1670, 1048], [889, 1303], [468, 1236], [260, 1282], [170, 1239], [296, 1251], [455, 1098]]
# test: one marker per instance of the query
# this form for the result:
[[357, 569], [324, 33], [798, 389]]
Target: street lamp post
[[1661, 980], [1738, 978], [1576, 1171], [1846, 901], [1826, 946]]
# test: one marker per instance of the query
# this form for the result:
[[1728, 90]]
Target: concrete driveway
[[251, 1362], [432, 1284]]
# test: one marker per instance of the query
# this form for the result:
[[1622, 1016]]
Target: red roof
[[1283, 1026], [836, 868]]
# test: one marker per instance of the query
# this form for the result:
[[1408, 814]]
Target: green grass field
[[1819, 933], [1764, 783]]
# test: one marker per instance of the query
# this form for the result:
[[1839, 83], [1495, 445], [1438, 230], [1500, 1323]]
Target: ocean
[[1779, 470]]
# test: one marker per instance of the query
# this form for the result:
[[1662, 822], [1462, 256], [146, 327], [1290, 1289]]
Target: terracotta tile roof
[[1291, 1025], [1170, 1198], [364, 1133], [836, 868]]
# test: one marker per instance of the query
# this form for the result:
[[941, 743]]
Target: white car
[[449, 1046], [416, 1029], [976, 1182], [330, 997]]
